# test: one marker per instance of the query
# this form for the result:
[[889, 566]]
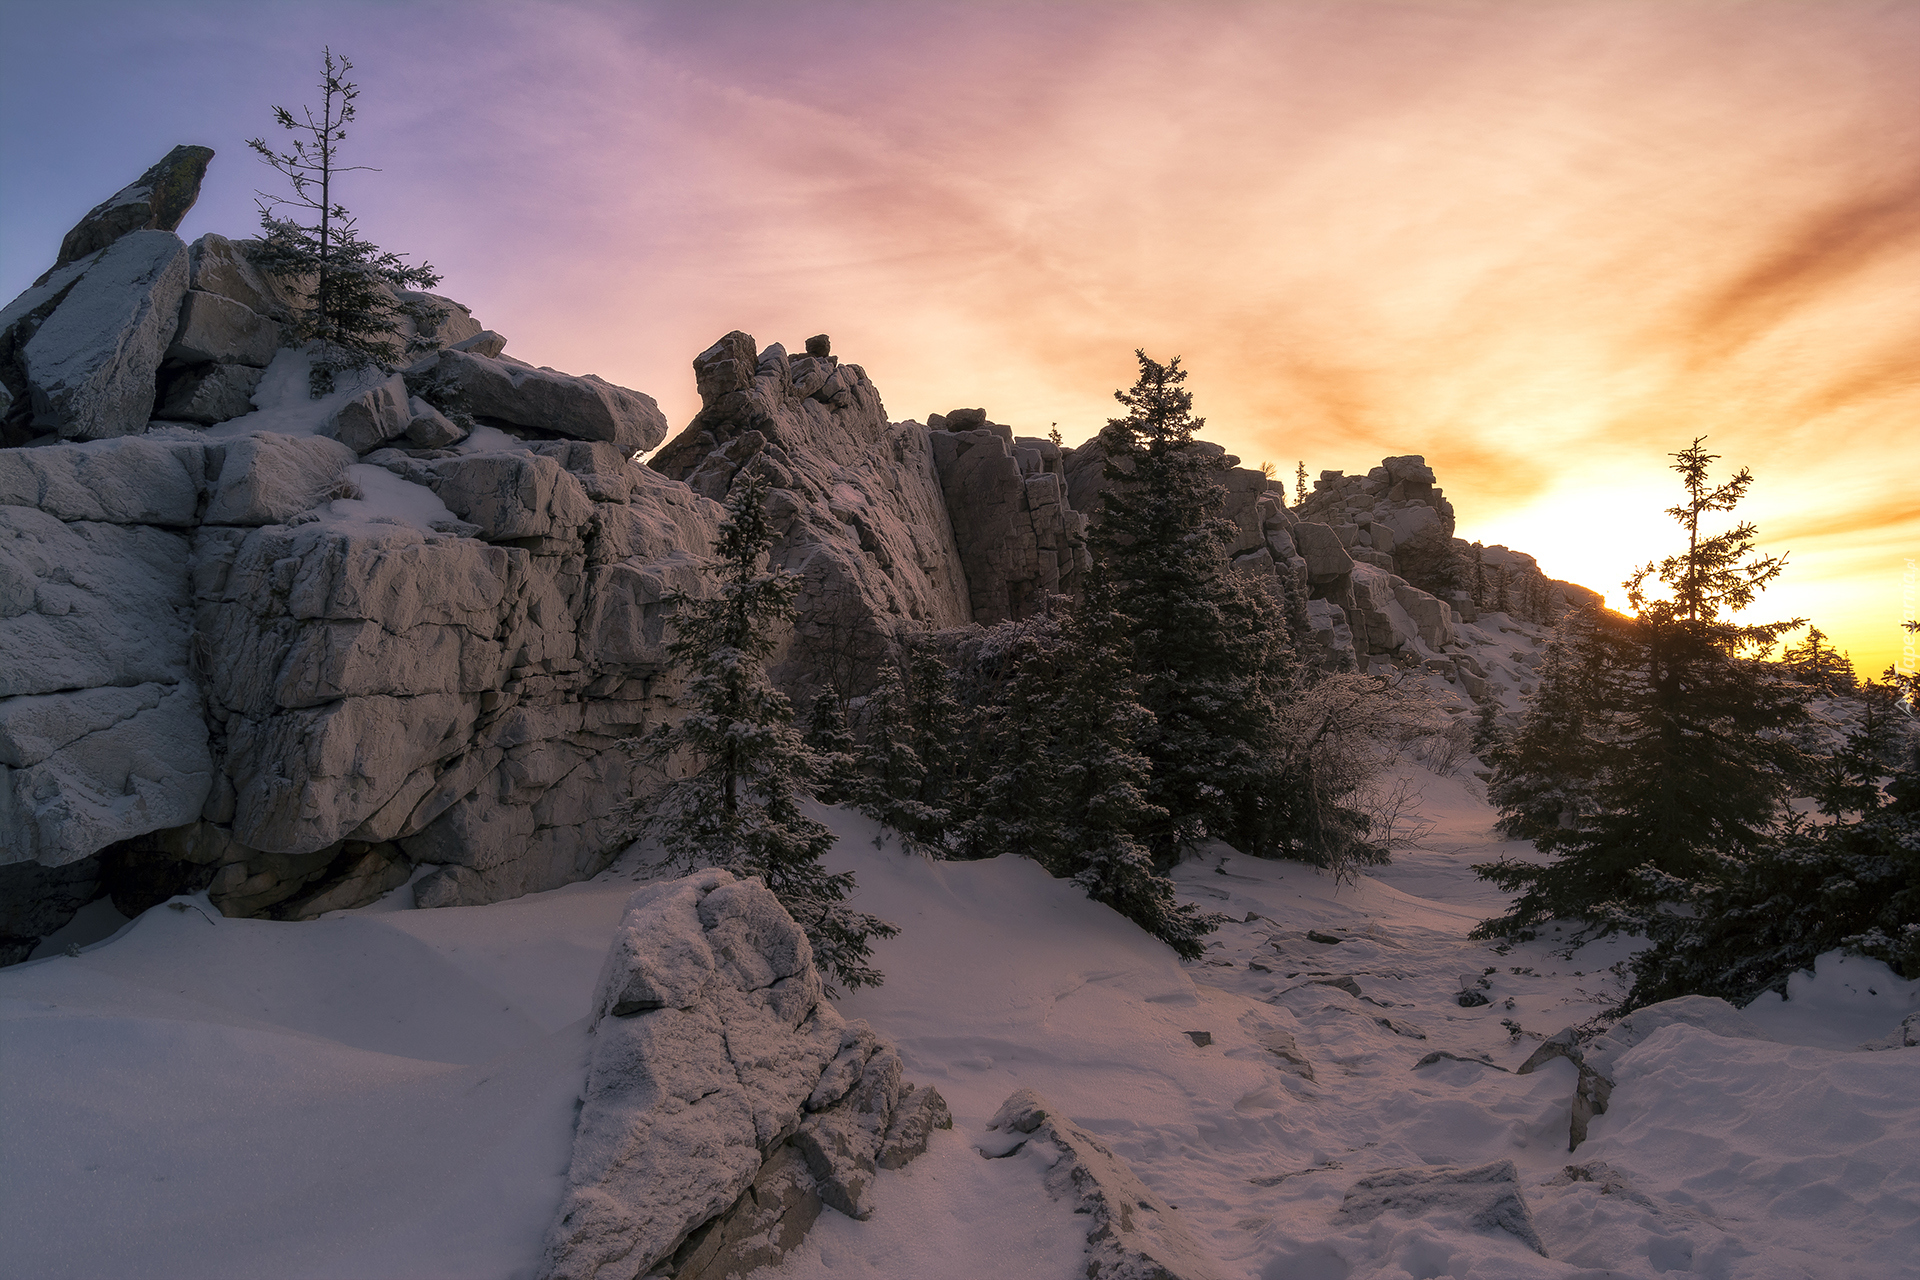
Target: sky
[[1543, 243]]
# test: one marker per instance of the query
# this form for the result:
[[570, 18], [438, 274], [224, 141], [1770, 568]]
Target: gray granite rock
[[83, 347], [710, 1040], [209, 393], [1133, 1234], [155, 201]]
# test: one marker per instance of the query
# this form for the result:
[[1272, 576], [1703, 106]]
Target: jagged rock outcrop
[[155, 201], [80, 350], [292, 659], [1133, 1234], [1502, 580], [726, 1101], [1019, 538], [857, 507]]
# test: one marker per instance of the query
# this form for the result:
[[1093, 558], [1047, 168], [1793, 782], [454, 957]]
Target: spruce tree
[[739, 807], [834, 748], [939, 730], [1016, 677], [1544, 777], [1690, 772], [1300, 483], [892, 776], [1203, 643], [350, 309], [1818, 665], [1853, 883], [1104, 780], [1488, 736]]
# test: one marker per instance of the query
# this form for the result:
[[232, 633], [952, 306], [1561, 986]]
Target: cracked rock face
[[726, 1101]]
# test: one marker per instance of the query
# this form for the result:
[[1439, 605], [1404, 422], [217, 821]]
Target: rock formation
[[1132, 1233], [726, 1101], [155, 201], [291, 651], [1018, 535]]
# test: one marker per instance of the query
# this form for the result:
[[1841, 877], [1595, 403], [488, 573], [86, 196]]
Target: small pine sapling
[[350, 308]]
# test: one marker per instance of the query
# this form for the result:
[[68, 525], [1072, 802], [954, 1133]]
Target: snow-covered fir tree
[[835, 750], [738, 805], [1544, 775], [891, 776], [1204, 646]]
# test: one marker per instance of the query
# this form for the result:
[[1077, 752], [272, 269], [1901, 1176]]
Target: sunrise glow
[[1543, 245]]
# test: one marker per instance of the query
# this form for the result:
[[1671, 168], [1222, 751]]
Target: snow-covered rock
[[214, 328], [1133, 1233], [265, 478], [155, 201], [1487, 1198], [712, 1047], [373, 417], [545, 400], [84, 346]]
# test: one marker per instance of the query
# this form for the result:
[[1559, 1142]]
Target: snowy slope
[[388, 1093]]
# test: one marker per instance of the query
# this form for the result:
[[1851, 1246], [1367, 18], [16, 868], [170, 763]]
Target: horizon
[[1543, 249]]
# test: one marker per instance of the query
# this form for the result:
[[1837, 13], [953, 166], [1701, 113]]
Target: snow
[[385, 498], [390, 1092], [282, 403]]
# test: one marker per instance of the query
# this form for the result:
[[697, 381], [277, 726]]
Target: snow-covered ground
[[389, 1092]]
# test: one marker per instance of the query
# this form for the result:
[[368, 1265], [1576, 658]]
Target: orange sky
[[1543, 242]]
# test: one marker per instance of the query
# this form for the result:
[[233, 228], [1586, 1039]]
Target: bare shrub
[[1334, 742]]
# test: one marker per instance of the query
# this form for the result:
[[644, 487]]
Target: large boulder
[[508, 495], [1327, 560], [131, 480], [80, 350], [220, 266], [218, 329], [716, 1061], [375, 416], [544, 400], [265, 478], [80, 771], [155, 201], [210, 393]]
